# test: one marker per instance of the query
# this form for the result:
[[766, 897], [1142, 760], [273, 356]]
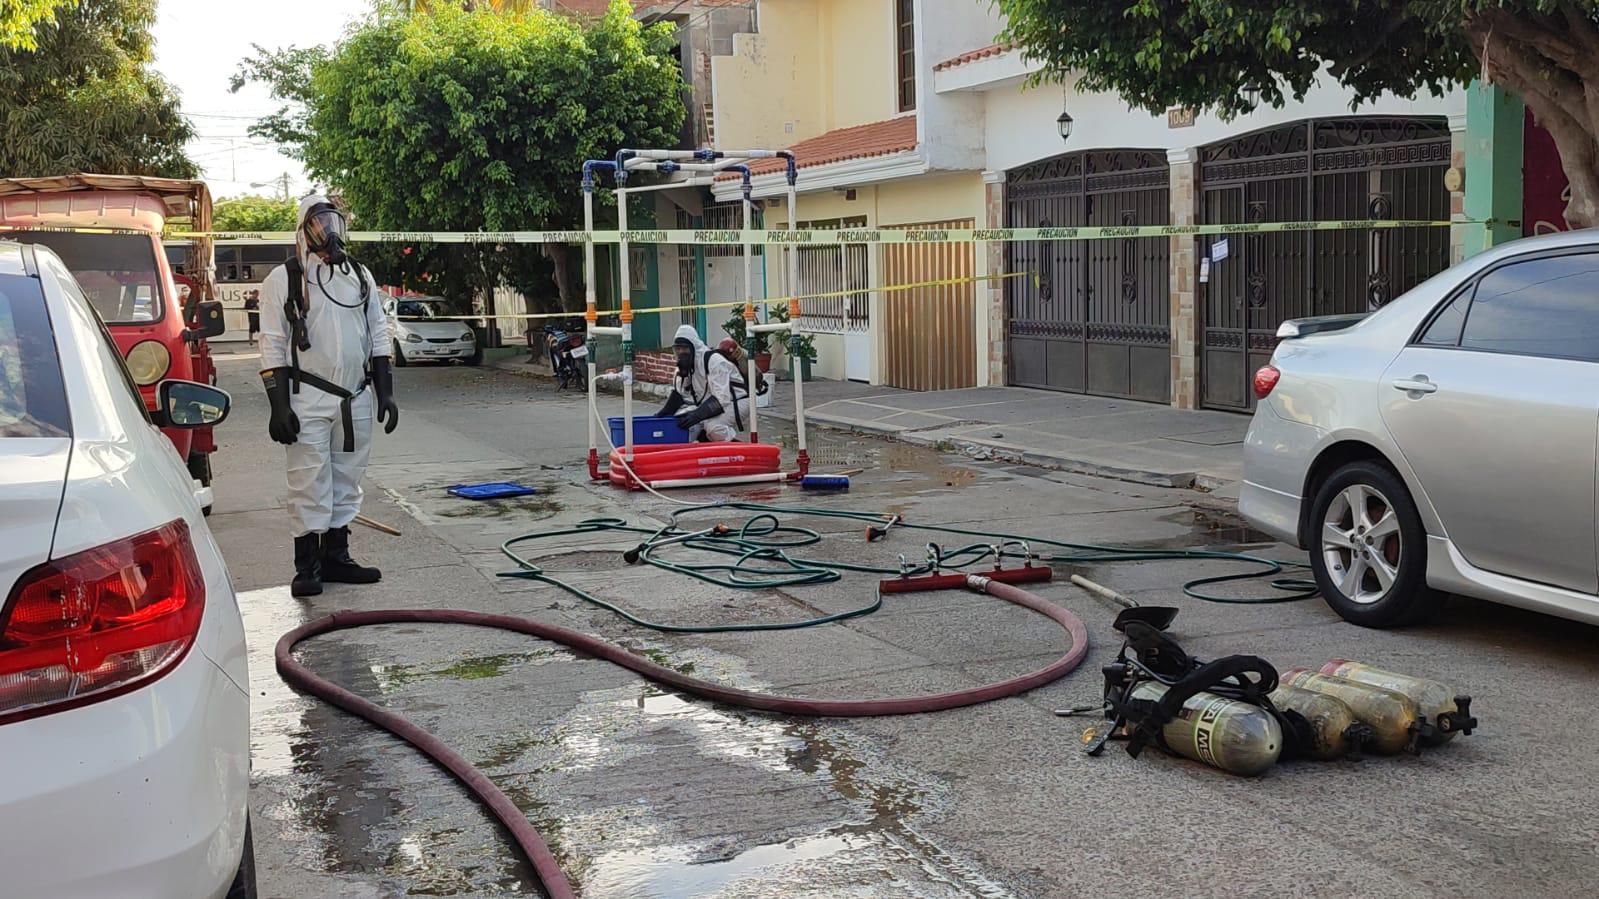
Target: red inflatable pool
[[678, 461]]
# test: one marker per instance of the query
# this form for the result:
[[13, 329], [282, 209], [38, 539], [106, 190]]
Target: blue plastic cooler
[[649, 429]]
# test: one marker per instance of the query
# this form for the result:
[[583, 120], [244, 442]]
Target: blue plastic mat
[[491, 490]]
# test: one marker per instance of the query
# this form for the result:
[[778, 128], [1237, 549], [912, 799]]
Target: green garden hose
[[760, 555]]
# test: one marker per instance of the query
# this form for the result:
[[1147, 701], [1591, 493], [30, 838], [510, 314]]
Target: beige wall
[[857, 67], [816, 65], [766, 93]]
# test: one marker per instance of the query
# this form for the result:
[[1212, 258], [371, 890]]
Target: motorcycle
[[568, 351]]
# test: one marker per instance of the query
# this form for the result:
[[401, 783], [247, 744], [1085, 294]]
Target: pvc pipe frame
[[668, 161]]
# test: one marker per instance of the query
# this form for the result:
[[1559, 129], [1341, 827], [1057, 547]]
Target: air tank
[[1392, 717], [1223, 733], [1439, 706], [1331, 730]]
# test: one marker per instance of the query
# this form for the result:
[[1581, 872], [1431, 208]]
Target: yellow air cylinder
[[1332, 731], [1223, 733], [1438, 705], [1391, 716]]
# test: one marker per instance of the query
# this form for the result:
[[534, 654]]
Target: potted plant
[[800, 346], [734, 326]]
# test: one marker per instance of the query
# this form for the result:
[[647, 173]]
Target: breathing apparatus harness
[[1148, 654], [296, 307]]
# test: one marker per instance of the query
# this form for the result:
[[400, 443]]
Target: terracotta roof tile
[[859, 142], [974, 55]]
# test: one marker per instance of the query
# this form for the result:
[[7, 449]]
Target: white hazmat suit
[[713, 376], [326, 463]]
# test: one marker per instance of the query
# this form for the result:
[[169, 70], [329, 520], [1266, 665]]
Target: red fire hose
[[533, 846]]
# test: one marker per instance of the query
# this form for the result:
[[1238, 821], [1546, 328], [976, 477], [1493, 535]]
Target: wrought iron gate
[[1314, 170], [1096, 315]]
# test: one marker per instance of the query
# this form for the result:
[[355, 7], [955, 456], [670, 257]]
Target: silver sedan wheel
[[1361, 544]]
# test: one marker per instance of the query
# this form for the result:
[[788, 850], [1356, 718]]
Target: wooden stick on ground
[[376, 525]]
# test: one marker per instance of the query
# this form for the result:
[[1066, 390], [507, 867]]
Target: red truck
[[107, 230]]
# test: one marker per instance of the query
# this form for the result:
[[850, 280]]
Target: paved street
[[645, 794]]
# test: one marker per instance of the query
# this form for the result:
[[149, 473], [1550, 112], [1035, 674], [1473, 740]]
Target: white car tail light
[[100, 622]]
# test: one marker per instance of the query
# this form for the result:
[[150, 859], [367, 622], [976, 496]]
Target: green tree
[[19, 19], [1199, 53], [254, 214], [88, 100], [472, 120]]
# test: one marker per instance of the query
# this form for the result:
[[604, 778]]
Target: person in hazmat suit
[[710, 399], [325, 347]]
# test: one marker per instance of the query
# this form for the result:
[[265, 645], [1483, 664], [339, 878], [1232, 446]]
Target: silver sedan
[[1445, 443]]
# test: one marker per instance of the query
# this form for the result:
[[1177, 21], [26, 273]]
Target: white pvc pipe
[[622, 289], [589, 299], [771, 327], [793, 324], [752, 386], [606, 330], [715, 482]]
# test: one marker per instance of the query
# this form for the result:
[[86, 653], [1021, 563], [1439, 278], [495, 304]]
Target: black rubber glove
[[706, 410], [383, 385], [283, 425], [673, 403]]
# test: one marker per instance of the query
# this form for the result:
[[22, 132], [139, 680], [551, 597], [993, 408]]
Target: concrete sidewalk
[[1122, 439]]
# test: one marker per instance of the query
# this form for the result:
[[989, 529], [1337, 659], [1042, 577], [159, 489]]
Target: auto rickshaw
[[107, 230]]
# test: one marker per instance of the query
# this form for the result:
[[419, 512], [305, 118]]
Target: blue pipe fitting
[[793, 167]]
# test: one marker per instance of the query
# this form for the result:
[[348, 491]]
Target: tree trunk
[[1551, 62], [566, 281]]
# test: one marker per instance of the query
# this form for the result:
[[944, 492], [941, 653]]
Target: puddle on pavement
[[391, 677], [1211, 529], [898, 468], [332, 810]]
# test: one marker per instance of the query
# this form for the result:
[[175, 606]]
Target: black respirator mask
[[685, 358], [325, 231]]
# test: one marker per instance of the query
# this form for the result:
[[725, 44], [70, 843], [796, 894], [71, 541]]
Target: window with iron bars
[[831, 269]]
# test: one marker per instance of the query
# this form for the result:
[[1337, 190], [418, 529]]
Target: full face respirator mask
[[325, 233], [685, 358]]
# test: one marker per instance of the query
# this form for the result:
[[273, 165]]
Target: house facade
[[906, 113]]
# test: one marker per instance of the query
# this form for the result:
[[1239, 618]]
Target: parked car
[[1446, 443], [124, 703], [421, 335]]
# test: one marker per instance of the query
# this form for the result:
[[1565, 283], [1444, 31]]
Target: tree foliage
[[88, 100], [19, 20], [1160, 53], [472, 120], [254, 214]]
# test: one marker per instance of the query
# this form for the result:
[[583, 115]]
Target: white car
[[421, 336], [124, 701], [1445, 443]]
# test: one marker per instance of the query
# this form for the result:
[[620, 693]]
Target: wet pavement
[[646, 794]]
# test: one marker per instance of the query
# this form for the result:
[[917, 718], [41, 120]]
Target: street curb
[[1009, 452]]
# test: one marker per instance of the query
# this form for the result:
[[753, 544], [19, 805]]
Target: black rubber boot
[[307, 566], [338, 567]]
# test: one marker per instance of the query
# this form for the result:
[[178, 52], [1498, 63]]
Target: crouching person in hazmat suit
[[325, 364], [709, 397]]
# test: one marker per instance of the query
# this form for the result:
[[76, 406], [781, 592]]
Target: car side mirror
[[190, 404], [207, 321]]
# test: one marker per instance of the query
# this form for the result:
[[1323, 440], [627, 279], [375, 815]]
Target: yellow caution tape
[[737, 304], [835, 236], [802, 236]]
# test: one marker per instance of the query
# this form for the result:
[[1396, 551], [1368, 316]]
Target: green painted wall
[[1494, 134]]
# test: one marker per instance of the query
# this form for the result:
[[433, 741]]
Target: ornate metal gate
[[1314, 170], [1096, 315]]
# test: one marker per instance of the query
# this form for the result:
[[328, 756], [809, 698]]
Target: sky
[[199, 44]]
